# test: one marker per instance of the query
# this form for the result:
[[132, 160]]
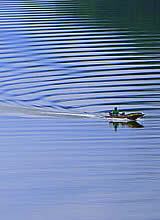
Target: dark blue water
[[62, 66]]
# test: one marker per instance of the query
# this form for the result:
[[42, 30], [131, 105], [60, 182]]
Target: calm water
[[62, 65]]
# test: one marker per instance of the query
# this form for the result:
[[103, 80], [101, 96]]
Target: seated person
[[115, 112]]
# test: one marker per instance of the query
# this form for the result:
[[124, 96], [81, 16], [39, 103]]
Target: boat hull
[[114, 119], [124, 118]]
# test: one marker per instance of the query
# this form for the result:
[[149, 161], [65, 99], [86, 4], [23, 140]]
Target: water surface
[[63, 66]]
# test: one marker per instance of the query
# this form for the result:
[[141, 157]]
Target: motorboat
[[124, 117]]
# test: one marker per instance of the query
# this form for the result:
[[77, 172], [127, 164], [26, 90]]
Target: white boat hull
[[110, 119]]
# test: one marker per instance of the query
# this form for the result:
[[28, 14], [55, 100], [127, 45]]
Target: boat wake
[[24, 111]]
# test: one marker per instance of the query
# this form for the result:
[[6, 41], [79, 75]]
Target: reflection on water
[[139, 15], [62, 66], [54, 59], [129, 124]]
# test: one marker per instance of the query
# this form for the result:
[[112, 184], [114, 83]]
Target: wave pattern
[[51, 58]]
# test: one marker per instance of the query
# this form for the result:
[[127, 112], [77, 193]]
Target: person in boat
[[115, 112]]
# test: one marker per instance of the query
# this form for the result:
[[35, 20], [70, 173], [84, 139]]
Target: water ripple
[[54, 58]]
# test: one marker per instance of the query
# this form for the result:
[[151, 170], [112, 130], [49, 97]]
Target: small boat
[[124, 117]]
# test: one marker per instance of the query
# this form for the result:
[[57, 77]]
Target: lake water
[[63, 64]]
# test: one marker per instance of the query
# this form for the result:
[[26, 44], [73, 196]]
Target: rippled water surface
[[64, 64]]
